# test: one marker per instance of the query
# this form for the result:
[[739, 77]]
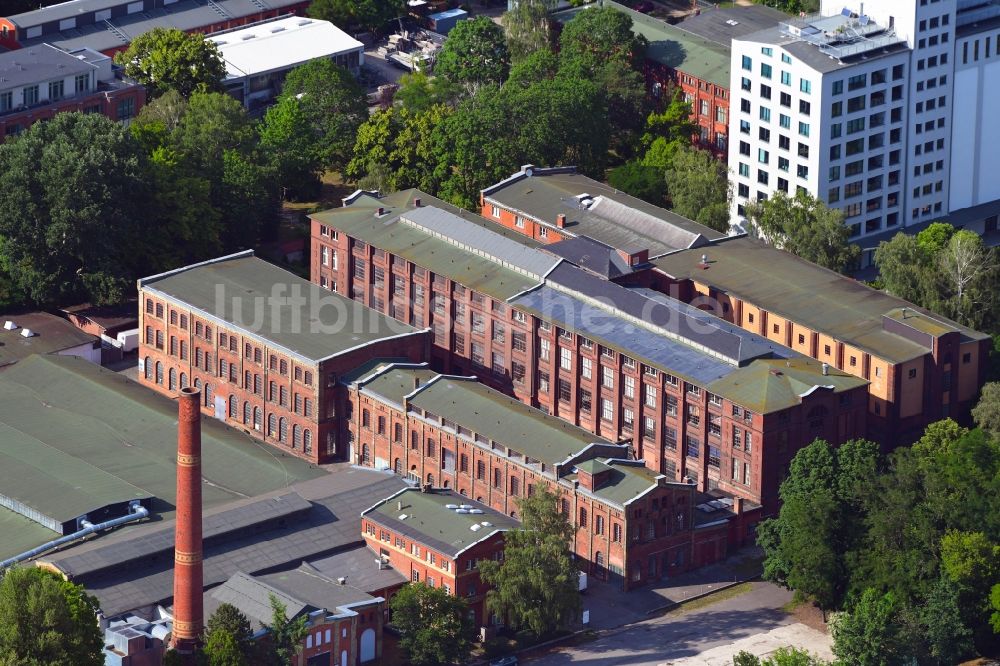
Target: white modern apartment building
[[881, 109]]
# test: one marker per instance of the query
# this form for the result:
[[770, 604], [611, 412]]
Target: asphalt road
[[680, 635]]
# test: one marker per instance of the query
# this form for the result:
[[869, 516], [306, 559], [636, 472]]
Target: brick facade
[[251, 384], [120, 103]]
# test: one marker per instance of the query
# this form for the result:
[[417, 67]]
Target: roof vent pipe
[[826, 368], [27, 333], [9, 325]]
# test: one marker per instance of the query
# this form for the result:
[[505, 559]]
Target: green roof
[[358, 220], [672, 46], [278, 307], [807, 294], [393, 383], [80, 434], [429, 520], [494, 416], [51, 334], [626, 480], [772, 385]]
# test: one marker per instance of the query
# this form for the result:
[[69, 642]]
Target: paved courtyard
[[706, 635]]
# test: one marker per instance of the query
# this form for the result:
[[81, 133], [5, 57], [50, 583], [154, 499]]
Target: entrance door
[[367, 645]]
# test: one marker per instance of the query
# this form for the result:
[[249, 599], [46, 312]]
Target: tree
[[986, 413], [228, 641], [902, 265], [70, 222], [598, 45], [787, 656], [698, 187], [967, 266], [809, 545], [526, 27], [474, 54], [644, 182], [371, 15], [804, 226], [434, 627], [868, 635], [536, 585], [47, 620], [286, 634], [539, 66], [667, 132], [419, 92], [167, 58], [287, 142], [333, 103]]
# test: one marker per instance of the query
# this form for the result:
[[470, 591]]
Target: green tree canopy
[[419, 92], [786, 656], [474, 55], [287, 143], [986, 413], [46, 620], [644, 182], [171, 59], [526, 27], [228, 639], [70, 222], [699, 187], [804, 226], [434, 627], [370, 15], [869, 634], [536, 585], [668, 131], [333, 103], [285, 634]]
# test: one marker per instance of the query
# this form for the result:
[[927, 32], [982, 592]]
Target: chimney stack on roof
[[561, 220], [189, 612]]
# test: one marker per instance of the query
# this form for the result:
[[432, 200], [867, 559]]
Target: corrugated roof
[[803, 292], [429, 521], [434, 253], [51, 334], [502, 419], [275, 306], [774, 385], [609, 216], [83, 418]]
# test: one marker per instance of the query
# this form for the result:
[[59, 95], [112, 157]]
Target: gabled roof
[[275, 306]]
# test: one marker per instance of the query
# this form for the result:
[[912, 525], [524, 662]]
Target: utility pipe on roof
[[136, 512]]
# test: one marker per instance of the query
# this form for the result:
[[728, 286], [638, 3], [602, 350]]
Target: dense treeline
[[87, 205], [906, 547]]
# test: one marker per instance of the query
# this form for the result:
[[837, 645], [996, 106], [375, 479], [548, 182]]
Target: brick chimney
[[561, 220], [188, 577]]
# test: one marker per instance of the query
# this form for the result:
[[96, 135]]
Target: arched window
[[446, 483], [172, 379], [430, 479], [208, 395], [272, 425], [247, 412], [365, 455], [234, 407], [184, 380], [159, 373], [282, 429], [307, 440], [599, 564], [257, 419], [397, 466], [296, 436], [148, 367], [197, 383], [583, 517]]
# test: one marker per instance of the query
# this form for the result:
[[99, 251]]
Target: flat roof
[[119, 571], [773, 385], [51, 334], [394, 382], [500, 418], [723, 24], [360, 566], [415, 243], [275, 306], [186, 15], [607, 215], [109, 317], [281, 44], [803, 292], [427, 518], [625, 480], [812, 56], [37, 64], [80, 433], [669, 45]]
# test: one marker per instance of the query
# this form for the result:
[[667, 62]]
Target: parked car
[[509, 660], [643, 6]]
